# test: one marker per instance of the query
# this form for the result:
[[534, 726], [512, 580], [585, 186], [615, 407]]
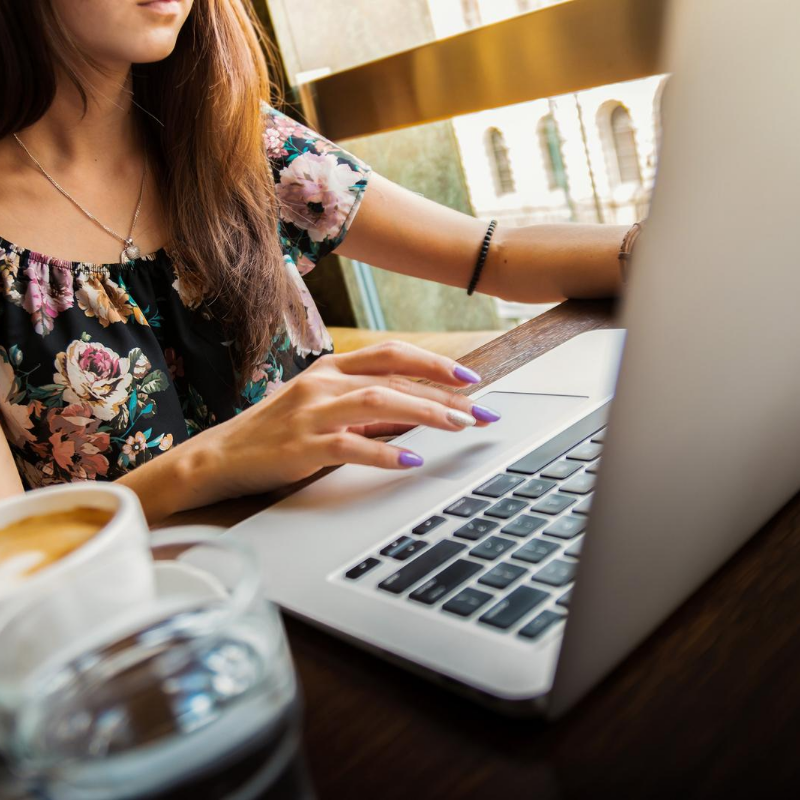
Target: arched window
[[472, 13], [552, 155], [658, 102], [622, 157], [498, 159]]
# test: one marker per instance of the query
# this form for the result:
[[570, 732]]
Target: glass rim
[[239, 597]]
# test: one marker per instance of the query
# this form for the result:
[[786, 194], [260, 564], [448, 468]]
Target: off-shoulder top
[[105, 366]]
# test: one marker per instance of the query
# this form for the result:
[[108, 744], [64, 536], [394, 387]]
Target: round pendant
[[132, 251]]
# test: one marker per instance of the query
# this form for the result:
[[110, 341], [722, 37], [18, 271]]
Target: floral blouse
[[104, 366]]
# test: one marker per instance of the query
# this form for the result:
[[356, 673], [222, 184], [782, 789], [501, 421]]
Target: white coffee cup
[[107, 576]]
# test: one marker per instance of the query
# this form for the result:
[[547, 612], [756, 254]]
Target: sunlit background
[[584, 157]]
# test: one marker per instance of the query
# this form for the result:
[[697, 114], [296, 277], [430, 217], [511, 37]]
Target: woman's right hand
[[327, 416]]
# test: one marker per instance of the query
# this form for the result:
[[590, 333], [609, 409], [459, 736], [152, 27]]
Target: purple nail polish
[[484, 414], [409, 459], [465, 374]]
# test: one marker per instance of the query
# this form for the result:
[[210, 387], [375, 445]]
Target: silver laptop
[[526, 559]]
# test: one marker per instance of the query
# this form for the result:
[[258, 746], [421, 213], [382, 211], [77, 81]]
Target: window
[[550, 145], [622, 157], [500, 164]]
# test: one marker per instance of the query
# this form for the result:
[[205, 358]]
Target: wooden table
[[707, 707]]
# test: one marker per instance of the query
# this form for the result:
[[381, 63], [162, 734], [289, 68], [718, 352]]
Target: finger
[[402, 358], [350, 448], [381, 429], [461, 402], [377, 404]]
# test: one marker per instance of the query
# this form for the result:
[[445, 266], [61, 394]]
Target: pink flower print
[[317, 338], [77, 445], [279, 130], [260, 372], [315, 194], [94, 374], [166, 442], [49, 291], [274, 143], [273, 386]]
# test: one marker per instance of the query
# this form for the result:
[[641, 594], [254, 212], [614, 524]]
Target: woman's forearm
[[544, 263], [173, 482], [397, 230]]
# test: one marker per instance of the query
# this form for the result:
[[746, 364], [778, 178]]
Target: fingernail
[[466, 375], [409, 459], [460, 418], [484, 414]]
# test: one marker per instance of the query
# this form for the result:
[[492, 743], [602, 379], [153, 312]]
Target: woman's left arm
[[398, 230]]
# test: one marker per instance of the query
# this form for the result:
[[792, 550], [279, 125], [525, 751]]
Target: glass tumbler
[[190, 696]]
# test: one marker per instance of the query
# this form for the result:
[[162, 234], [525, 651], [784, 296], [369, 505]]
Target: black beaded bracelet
[[476, 275]]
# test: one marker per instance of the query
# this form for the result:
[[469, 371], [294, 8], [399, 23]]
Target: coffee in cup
[[32, 544]]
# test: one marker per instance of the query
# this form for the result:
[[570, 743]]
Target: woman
[[160, 353]]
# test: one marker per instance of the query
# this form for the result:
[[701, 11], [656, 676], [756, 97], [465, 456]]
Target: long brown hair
[[217, 185]]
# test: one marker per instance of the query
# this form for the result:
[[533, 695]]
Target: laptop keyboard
[[503, 556]]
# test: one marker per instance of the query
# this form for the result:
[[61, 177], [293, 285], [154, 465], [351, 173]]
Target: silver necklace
[[130, 251]]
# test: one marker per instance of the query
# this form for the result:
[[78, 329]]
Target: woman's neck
[[105, 134]]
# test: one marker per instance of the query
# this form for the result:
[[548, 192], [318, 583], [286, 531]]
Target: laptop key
[[539, 624], [492, 548], [524, 525], [466, 507], [561, 469], [594, 467], [467, 602], [580, 484], [445, 582], [421, 566], [575, 548], [362, 569], [588, 451], [566, 527], [499, 485], [560, 443], [556, 573], [427, 526], [513, 607], [584, 507], [600, 436], [534, 489], [535, 551], [403, 548], [506, 508], [564, 599], [475, 528], [554, 503], [502, 576]]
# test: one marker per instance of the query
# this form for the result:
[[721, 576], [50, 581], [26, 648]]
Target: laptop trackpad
[[524, 416]]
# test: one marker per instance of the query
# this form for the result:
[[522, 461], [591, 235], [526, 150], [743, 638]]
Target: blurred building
[[587, 157]]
